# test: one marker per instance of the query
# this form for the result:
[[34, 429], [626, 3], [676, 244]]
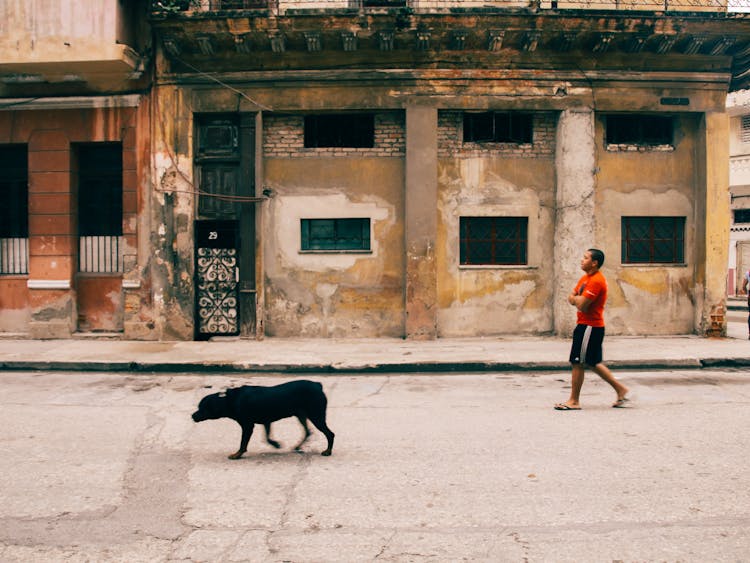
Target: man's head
[[592, 260]]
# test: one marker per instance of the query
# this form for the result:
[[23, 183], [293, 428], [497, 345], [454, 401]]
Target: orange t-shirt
[[593, 287]]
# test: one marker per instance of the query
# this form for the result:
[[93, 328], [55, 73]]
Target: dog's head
[[212, 407]]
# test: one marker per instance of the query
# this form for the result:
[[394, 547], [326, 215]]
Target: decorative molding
[[74, 102], [48, 284]]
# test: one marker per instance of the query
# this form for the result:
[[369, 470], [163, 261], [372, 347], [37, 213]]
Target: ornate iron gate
[[216, 278]]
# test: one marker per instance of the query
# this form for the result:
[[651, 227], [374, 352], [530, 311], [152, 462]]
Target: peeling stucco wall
[[659, 298], [333, 294]]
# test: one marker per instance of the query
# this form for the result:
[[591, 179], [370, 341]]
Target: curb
[[411, 367]]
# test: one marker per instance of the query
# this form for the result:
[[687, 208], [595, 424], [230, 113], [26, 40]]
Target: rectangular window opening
[[498, 127], [653, 240], [100, 207], [644, 130], [356, 130], [14, 209], [336, 234], [742, 215], [493, 241], [745, 129]]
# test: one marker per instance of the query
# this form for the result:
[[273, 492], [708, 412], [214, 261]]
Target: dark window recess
[[496, 127], [742, 215], [336, 234], [653, 240], [384, 3], [645, 130], [493, 240], [218, 138], [100, 190], [355, 130], [238, 4], [14, 192]]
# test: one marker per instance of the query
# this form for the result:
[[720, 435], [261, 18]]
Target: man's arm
[[580, 302]]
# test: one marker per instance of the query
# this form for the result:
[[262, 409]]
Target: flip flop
[[621, 403], [564, 407]]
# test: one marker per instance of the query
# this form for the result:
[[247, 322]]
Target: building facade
[[738, 108], [415, 169]]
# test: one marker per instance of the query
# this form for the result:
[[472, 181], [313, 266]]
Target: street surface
[[110, 467]]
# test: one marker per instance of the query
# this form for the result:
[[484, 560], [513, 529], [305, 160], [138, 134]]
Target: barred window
[[14, 209], [653, 240], [498, 127], [646, 130], [100, 207], [336, 234], [493, 240], [745, 129]]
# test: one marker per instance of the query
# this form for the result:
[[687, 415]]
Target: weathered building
[[421, 169], [74, 161], [738, 108]]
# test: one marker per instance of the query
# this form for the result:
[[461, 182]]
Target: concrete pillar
[[52, 234], [575, 163], [712, 224], [420, 223]]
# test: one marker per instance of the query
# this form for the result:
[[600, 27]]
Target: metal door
[[216, 278]]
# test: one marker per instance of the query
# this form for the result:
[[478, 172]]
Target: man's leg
[[576, 383], [603, 371]]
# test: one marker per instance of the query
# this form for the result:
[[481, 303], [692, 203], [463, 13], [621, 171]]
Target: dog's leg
[[274, 443], [247, 431], [303, 422], [320, 424]]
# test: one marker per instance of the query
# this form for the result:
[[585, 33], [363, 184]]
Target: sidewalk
[[376, 355]]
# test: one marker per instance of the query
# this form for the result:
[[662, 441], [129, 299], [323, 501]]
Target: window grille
[[745, 129], [646, 130], [336, 234], [100, 254], [493, 240], [498, 127], [14, 210], [653, 240], [14, 255], [100, 208]]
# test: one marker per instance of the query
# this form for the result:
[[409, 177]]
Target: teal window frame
[[335, 235]]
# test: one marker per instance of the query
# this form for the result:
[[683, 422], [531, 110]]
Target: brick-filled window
[[643, 130], [498, 127], [14, 209], [335, 234], [100, 207], [653, 240], [493, 241], [355, 130]]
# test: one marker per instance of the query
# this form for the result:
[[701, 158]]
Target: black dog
[[251, 404]]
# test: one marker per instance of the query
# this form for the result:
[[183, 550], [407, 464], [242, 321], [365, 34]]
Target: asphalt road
[[103, 467]]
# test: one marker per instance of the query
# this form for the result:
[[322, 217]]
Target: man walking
[[589, 297]]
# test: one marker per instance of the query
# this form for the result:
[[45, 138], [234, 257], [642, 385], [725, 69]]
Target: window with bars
[[653, 240], [100, 207], [356, 130], [14, 209], [493, 241], [498, 127], [745, 129], [645, 130], [336, 234]]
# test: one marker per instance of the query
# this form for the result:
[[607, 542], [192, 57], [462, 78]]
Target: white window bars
[[14, 255], [100, 254]]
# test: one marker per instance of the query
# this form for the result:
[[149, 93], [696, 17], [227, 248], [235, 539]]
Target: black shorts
[[587, 345]]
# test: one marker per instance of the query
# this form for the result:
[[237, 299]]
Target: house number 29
[[213, 235]]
